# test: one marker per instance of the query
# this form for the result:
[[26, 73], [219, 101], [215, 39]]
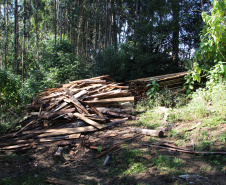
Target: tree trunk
[[106, 26], [6, 33], [16, 38], [60, 21], [136, 20], [176, 30], [23, 45], [55, 21]]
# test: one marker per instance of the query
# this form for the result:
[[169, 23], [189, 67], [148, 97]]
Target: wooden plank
[[68, 137], [16, 123], [97, 118], [62, 105], [60, 112], [105, 109], [96, 111], [75, 101], [81, 93], [78, 105], [89, 121], [110, 100], [65, 131]]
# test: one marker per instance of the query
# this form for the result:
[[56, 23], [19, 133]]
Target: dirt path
[[129, 163]]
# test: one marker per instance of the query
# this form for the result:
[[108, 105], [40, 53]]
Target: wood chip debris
[[60, 115]]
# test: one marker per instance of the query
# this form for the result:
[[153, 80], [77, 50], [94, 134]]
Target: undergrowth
[[206, 105]]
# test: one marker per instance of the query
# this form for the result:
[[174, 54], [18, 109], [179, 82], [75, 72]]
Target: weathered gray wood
[[154, 133], [62, 131], [110, 100], [89, 121]]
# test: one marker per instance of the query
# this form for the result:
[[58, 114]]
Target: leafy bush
[[9, 89], [213, 37]]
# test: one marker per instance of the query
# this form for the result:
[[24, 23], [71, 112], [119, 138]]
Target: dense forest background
[[44, 43]]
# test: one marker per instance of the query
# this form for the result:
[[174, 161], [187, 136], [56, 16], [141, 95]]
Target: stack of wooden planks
[[138, 87], [62, 114]]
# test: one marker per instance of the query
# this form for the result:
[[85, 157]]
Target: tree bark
[[16, 38], [106, 25], [55, 21], [60, 21], [6, 33], [176, 30]]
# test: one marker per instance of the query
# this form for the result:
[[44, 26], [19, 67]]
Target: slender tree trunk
[[114, 32], [23, 45], [136, 20], [60, 21], [6, 33], [176, 30], [37, 38], [106, 26], [16, 38], [2, 42], [55, 21]]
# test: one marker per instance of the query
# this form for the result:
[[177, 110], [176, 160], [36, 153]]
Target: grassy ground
[[197, 123]]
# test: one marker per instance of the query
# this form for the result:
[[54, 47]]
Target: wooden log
[[110, 100], [154, 133]]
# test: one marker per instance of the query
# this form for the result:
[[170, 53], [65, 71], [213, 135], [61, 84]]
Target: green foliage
[[59, 64], [191, 77], [216, 74], [166, 163], [213, 37], [153, 88], [9, 89]]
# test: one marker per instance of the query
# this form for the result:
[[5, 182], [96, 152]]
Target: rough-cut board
[[138, 87], [89, 121], [112, 100]]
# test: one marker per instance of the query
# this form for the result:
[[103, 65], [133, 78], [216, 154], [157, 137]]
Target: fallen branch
[[192, 128], [185, 150]]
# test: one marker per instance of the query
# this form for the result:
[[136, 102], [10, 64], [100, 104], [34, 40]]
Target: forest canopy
[[48, 42]]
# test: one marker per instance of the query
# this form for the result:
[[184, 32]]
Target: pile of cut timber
[[62, 114], [138, 87]]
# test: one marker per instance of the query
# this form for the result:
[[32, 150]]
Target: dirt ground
[[82, 167]]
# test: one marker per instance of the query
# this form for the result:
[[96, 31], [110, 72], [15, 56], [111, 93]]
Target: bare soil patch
[[129, 163]]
